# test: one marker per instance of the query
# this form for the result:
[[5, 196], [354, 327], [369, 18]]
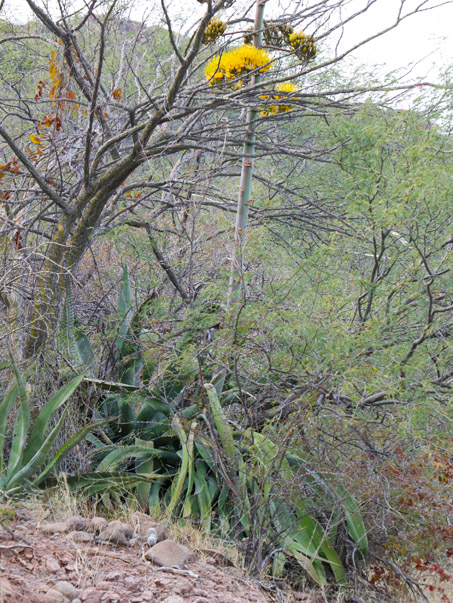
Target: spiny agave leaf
[[150, 407], [85, 350], [221, 423], [201, 493], [112, 386], [70, 444], [314, 569], [154, 498], [143, 466], [5, 408], [122, 453], [187, 459], [42, 422], [21, 425], [106, 479], [190, 479], [39, 458], [356, 527], [278, 565]]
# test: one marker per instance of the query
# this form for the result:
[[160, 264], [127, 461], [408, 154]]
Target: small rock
[[67, 589], [80, 536], [132, 584], [52, 564], [98, 524], [174, 599], [111, 597], [117, 532], [58, 527], [70, 567], [54, 596], [90, 595], [143, 523], [103, 585], [76, 600], [169, 553], [115, 575], [199, 592], [77, 523]]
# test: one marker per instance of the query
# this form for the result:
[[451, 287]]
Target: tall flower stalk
[[245, 184]]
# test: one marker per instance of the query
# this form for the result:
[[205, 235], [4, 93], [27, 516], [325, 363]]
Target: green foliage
[[30, 460]]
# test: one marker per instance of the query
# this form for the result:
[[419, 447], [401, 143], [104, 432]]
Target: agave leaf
[[122, 453], [190, 481], [221, 423], [5, 408], [106, 480], [143, 466], [21, 425], [187, 459], [154, 498], [112, 386], [278, 565], [356, 527], [314, 569], [70, 444], [42, 422], [203, 498], [85, 350], [38, 459], [150, 407]]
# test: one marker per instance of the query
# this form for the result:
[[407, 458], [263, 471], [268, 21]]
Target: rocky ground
[[92, 561]]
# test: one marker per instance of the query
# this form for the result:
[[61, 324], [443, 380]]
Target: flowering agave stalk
[[245, 184]]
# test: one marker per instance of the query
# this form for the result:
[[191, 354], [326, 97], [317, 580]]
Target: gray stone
[[54, 596], [52, 564], [57, 527], [169, 553], [81, 536], [111, 597], [174, 599], [90, 595], [76, 523], [67, 589], [117, 532], [98, 523]]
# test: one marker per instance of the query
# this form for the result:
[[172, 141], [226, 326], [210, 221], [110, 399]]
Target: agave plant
[[191, 463], [30, 460]]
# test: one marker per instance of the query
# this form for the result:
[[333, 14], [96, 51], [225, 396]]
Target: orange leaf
[[35, 139], [117, 94]]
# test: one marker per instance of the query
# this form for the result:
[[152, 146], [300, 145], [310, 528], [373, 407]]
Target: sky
[[424, 40]]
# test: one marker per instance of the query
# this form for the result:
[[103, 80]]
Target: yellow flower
[[214, 30], [303, 45], [287, 87], [232, 65]]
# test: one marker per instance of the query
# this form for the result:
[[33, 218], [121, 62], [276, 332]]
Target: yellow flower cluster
[[214, 30], [233, 65], [288, 88], [303, 45]]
